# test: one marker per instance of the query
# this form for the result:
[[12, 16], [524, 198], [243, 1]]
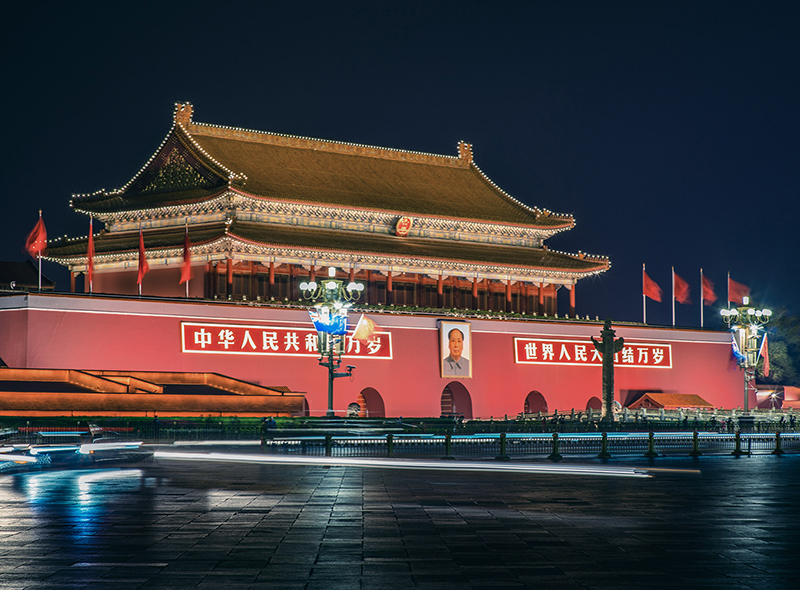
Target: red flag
[[737, 291], [186, 267], [650, 289], [143, 266], [764, 353], [90, 255], [709, 296], [681, 289], [364, 329], [37, 239]]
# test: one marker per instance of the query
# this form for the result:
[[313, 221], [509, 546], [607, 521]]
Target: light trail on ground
[[474, 466]]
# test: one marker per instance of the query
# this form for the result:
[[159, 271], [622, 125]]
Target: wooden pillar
[[210, 279], [489, 295], [253, 282], [271, 280], [292, 281], [523, 298], [389, 289], [572, 301], [508, 296], [229, 278], [369, 291], [352, 273], [475, 301], [421, 291], [440, 291], [312, 274], [541, 299], [71, 282]]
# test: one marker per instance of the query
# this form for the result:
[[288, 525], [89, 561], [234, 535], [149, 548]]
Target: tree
[[784, 350]]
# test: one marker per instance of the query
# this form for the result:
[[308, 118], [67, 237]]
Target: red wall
[[81, 332], [159, 281]]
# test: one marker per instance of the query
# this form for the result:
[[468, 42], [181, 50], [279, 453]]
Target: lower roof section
[[324, 246]]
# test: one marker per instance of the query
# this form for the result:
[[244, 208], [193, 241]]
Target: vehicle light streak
[[90, 448], [45, 450], [19, 459], [410, 464]]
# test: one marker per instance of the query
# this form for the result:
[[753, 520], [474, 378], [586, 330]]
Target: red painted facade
[[97, 333]]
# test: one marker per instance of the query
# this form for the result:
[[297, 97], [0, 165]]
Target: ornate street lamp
[[329, 316], [745, 322]]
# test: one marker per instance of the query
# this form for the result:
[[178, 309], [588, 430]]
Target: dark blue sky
[[670, 130]]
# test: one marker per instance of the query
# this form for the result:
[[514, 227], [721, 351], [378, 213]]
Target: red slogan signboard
[[538, 351], [273, 341]]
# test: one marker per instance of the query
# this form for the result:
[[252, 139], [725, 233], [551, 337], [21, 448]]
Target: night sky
[[670, 130]]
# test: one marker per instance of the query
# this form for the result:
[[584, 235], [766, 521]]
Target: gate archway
[[371, 403], [594, 403], [535, 402], [456, 400]]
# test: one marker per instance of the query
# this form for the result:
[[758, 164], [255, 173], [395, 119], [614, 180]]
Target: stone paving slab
[[716, 522]]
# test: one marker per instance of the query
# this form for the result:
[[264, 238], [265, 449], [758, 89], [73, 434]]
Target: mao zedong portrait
[[455, 365]]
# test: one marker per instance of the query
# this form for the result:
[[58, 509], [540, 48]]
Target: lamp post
[[329, 316], [745, 322]]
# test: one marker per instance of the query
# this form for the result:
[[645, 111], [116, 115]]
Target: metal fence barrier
[[546, 445]]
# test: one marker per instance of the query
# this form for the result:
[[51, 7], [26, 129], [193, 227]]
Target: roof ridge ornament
[[465, 151], [183, 113]]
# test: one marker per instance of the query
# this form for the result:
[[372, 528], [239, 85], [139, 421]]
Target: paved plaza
[[713, 522]]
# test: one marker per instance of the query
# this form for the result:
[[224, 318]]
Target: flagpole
[[729, 289], [187, 280], [90, 261], [701, 299], [140, 263], [40, 259], [644, 299], [673, 296]]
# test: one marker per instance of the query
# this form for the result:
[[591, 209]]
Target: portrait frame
[[447, 367]]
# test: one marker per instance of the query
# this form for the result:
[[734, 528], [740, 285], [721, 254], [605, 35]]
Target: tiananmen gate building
[[434, 241]]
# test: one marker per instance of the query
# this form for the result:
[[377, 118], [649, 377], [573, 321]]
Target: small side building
[[670, 401], [22, 276]]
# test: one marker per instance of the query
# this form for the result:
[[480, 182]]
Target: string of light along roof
[[321, 140], [179, 211]]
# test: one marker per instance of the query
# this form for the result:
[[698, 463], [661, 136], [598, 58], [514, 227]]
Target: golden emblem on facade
[[403, 226]]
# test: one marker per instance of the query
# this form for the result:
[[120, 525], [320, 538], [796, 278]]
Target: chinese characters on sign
[[273, 341], [537, 351]]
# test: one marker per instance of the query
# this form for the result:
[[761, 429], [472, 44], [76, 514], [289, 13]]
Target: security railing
[[531, 445]]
